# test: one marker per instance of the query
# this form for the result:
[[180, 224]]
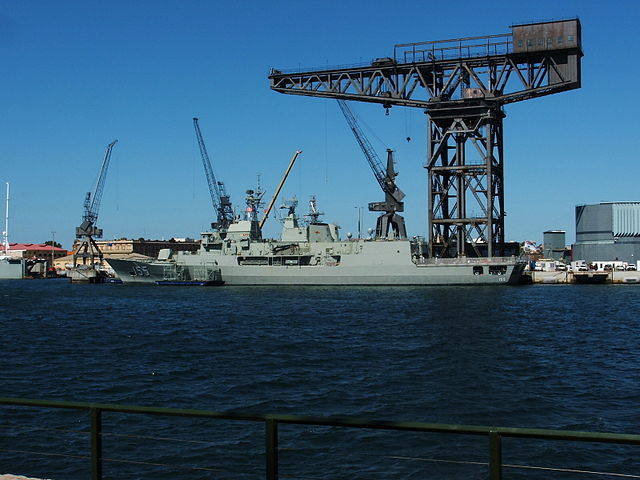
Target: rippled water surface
[[545, 356]]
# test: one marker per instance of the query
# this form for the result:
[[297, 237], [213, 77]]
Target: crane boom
[[277, 192], [385, 177], [92, 201], [369, 153], [219, 198]]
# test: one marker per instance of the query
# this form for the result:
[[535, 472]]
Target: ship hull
[[384, 263], [11, 268], [427, 275]]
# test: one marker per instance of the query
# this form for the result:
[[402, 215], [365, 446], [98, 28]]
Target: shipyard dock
[[588, 277]]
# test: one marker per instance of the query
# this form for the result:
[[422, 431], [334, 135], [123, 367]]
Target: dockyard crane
[[219, 198], [462, 85], [385, 177], [87, 249]]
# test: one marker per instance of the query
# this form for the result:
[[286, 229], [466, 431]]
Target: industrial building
[[149, 248], [130, 249], [29, 259], [34, 251], [554, 244], [608, 231]]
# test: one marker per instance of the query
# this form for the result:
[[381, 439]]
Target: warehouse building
[[149, 248], [608, 231]]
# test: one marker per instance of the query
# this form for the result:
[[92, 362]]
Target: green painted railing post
[[271, 436], [495, 456], [96, 443]]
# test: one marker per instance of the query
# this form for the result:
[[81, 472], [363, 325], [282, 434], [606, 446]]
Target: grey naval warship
[[310, 253]]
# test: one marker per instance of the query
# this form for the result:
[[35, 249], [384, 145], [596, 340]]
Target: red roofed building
[[37, 258], [34, 251]]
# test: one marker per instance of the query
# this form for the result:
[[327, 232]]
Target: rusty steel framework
[[462, 85]]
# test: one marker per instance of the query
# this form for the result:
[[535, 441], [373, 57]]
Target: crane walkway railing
[[495, 435], [420, 52], [469, 47]]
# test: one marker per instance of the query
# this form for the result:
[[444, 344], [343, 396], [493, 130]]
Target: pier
[[588, 277]]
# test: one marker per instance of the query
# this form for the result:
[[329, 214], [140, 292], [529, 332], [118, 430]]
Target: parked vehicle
[[579, 266]]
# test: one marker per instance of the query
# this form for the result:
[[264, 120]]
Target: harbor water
[[539, 356]]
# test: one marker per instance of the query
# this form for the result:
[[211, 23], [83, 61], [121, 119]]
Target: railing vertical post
[[96, 443], [271, 436], [495, 456]]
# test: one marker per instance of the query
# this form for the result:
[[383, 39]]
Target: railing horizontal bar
[[381, 424], [133, 409], [621, 438], [629, 439], [463, 39]]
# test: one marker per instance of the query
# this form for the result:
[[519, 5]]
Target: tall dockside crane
[[462, 85], [84, 257], [386, 178], [219, 198]]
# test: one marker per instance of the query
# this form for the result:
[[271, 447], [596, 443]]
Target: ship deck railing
[[271, 425], [467, 260]]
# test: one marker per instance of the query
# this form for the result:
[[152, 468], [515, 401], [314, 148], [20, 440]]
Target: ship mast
[[5, 233]]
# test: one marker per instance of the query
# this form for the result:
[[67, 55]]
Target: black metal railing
[[271, 423], [485, 46]]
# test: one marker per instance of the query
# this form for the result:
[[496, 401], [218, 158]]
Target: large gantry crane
[[85, 266], [385, 177], [462, 85], [219, 198]]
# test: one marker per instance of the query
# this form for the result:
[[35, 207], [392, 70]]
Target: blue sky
[[78, 74]]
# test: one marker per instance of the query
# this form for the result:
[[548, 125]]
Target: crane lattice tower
[[462, 85]]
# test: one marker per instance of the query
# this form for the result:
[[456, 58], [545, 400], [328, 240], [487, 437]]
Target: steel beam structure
[[466, 195], [462, 85]]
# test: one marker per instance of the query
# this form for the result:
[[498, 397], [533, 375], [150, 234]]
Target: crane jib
[[92, 201], [387, 184], [219, 198]]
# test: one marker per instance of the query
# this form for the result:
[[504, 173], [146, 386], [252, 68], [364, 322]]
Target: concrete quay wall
[[585, 277]]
